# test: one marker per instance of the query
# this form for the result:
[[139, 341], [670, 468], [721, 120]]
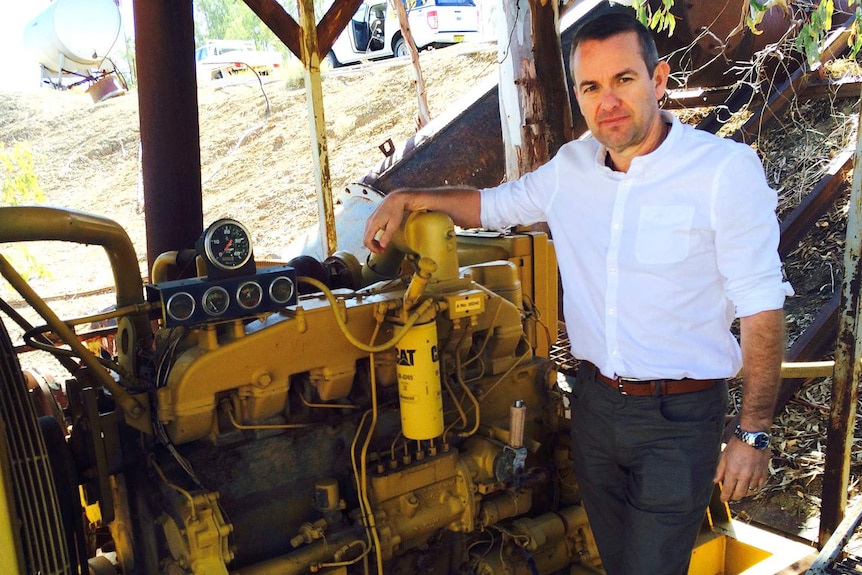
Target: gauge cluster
[[233, 286], [200, 300]]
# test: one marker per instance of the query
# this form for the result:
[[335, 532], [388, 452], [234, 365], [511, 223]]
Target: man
[[663, 234]]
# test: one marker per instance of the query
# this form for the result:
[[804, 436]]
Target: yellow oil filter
[[418, 370]]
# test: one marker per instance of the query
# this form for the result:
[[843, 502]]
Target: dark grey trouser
[[645, 467]]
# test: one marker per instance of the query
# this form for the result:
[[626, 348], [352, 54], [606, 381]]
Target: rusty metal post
[[845, 382], [170, 134], [317, 121]]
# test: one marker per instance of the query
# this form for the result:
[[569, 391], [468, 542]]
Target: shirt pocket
[[664, 234]]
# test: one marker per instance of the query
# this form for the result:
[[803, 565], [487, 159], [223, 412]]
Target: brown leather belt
[[651, 387]]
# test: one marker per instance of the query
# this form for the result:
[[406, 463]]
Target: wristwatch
[[757, 439]]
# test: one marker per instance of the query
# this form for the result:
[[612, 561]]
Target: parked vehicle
[[374, 32], [223, 58]]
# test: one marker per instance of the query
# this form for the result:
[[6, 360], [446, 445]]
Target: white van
[[374, 33]]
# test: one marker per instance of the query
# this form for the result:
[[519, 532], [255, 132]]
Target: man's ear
[[659, 77]]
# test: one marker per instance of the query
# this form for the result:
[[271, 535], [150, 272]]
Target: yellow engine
[[397, 416]]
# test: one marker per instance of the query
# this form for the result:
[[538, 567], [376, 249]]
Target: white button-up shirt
[[655, 262]]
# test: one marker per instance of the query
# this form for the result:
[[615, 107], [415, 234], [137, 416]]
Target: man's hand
[[461, 203], [385, 221], [742, 470]]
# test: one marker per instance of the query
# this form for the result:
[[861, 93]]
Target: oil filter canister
[[418, 370]]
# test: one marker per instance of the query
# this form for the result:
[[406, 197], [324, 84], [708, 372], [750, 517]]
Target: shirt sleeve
[[520, 202], [747, 234]]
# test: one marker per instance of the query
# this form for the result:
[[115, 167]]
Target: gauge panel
[[200, 300]]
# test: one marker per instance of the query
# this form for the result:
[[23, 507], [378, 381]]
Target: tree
[[19, 183], [231, 20], [234, 20], [809, 40]]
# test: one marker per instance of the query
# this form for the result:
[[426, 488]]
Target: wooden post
[[534, 99]]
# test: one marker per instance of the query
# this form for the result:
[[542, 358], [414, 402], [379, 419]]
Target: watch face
[[761, 441], [756, 439]]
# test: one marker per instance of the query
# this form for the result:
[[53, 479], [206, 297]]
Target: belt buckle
[[623, 380]]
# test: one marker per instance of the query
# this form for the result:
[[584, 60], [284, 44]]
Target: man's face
[[617, 96]]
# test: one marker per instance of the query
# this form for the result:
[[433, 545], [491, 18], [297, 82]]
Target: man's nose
[[610, 99]]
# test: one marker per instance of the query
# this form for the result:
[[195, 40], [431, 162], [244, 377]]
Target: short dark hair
[[611, 24]]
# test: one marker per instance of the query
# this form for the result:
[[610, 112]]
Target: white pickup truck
[[224, 58], [374, 32]]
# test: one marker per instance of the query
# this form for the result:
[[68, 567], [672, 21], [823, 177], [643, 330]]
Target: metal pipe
[[298, 562], [807, 369], [26, 224], [170, 132]]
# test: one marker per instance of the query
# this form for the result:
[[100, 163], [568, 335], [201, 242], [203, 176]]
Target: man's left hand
[[742, 470]]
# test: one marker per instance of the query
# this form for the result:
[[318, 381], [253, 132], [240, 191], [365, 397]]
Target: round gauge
[[216, 300], [249, 295], [180, 306], [281, 290], [227, 244]]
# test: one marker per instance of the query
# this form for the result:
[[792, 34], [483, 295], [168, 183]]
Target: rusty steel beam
[[289, 31], [170, 134], [833, 88], [280, 22], [848, 371], [696, 98], [740, 96], [816, 203], [317, 126], [708, 40]]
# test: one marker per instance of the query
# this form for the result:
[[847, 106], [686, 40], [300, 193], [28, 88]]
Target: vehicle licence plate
[[459, 37]]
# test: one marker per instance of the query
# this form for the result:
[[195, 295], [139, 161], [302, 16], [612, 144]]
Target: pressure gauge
[[226, 248], [216, 300], [249, 295], [281, 290], [180, 306]]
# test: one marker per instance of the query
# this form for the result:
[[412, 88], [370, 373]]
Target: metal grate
[[42, 540]]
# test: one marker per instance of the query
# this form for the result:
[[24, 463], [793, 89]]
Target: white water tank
[[80, 32]]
